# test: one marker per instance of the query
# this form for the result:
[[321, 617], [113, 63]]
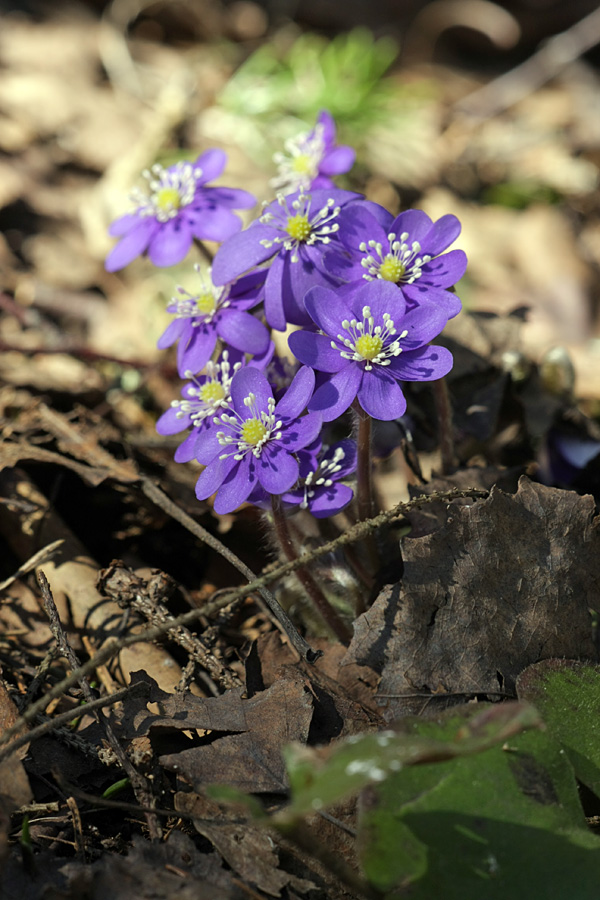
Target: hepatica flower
[[407, 251], [203, 398], [368, 343], [215, 312], [177, 208], [256, 440], [292, 233], [321, 490], [311, 158]]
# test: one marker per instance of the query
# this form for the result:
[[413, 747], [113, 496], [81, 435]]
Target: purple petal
[[296, 398], [212, 162], [277, 470], [426, 364], [172, 422], [321, 182], [213, 224], [274, 311], [237, 487], [301, 432], [326, 120], [330, 501], [243, 331], [172, 333], [415, 222], [213, 476], [133, 244], [243, 251], [381, 396], [382, 297], [338, 160], [123, 224], [327, 310], [335, 395], [446, 270], [186, 451], [171, 243], [248, 286], [193, 354], [234, 198], [422, 323], [208, 447], [420, 295], [249, 381], [442, 233], [298, 278], [362, 222], [315, 350]]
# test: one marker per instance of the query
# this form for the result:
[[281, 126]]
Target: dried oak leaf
[[248, 755], [502, 584], [249, 850]]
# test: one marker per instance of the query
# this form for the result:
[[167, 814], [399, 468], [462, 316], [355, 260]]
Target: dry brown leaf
[[503, 583]]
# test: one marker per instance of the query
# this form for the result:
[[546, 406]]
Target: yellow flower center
[[298, 227], [212, 392], [168, 198], [391, 269], [253, 431], [303, 164], [368, 346], [206, 303]]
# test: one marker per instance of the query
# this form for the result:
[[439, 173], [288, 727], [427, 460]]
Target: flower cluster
[[363, 291]]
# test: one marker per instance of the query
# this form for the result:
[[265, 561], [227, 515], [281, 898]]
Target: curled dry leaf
[[502, 584]]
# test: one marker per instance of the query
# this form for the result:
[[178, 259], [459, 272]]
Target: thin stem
[[339, 628], [443, 410], [208, 256], [364, 468]]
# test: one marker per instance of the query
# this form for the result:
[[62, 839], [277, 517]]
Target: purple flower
[[178, 208], [406, 251], [215, 312], [311, 158], [203, 397], [257, 440], [368, 343], [293, 232], [320, 490]]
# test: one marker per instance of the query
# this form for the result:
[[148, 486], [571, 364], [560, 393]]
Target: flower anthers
[[256, 439], [311, 158], [176, 208]]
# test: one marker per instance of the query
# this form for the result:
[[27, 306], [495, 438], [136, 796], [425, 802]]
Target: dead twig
[[554, 56], [138, 782], [114, 646]]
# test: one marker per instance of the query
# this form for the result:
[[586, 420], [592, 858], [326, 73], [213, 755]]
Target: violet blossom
[[215, 312], [203, 397], [311, 158], [407, 251], [321, 490], [178, 208], [293, 233], [368, 343], [256, 440]]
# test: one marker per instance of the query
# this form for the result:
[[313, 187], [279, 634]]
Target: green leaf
[[324, 776], [567, 693], [505, 823]]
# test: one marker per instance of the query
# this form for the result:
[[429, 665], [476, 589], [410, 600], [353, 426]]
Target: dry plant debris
[[187, 679]]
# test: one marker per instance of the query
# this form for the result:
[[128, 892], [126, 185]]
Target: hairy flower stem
[[364, 486], [443, 410], [339, 628], [364, 468]]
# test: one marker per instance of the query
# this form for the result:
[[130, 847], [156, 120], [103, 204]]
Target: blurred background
[[489, 110]]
